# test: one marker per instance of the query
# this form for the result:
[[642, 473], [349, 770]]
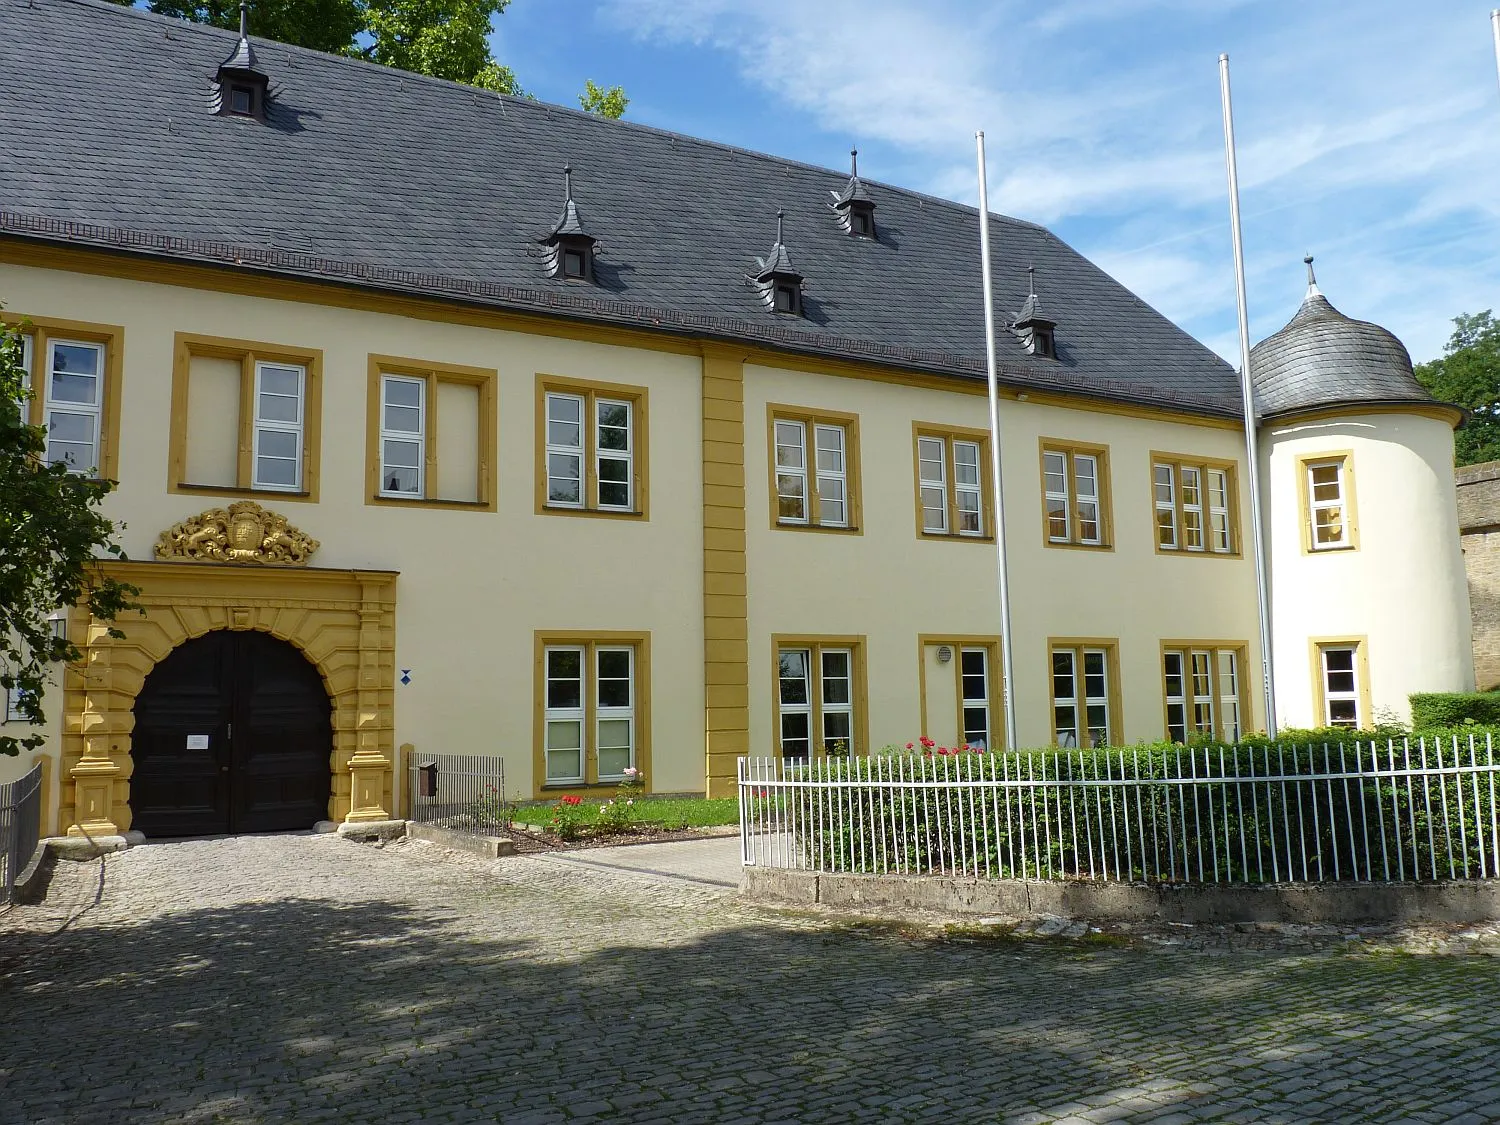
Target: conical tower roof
[[1324, 358]]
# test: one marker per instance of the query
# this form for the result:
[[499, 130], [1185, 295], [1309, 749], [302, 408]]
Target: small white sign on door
[[197, 742]]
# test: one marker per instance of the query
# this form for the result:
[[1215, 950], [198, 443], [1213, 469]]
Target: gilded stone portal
[[244, 532]]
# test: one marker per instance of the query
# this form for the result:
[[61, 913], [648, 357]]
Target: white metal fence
[[1415, 810]]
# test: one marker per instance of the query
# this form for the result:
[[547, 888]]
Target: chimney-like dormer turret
[[570, 248], [777, 281], [242, 85]]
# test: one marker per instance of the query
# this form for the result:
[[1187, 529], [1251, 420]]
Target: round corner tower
[[1369, 601]]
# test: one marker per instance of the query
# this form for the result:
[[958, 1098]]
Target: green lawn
[[663, 812]]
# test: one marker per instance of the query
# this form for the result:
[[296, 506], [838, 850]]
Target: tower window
[[574, 264], [861, 223], [786, 297], [1041, 343]]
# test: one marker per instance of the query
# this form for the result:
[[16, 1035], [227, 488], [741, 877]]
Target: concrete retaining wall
[[490, 847], [1326, 903]]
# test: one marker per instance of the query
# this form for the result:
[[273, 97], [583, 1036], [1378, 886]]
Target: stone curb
[[487, 847], [1323, 904]]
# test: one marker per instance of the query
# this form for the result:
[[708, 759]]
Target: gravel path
[[309, 979]]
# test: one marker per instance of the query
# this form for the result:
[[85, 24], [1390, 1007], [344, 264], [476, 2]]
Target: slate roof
[[1324, 358], [374, 178]]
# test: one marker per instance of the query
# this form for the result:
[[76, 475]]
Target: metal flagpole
[[1495, 26], [1252, 454], [1006, 661]]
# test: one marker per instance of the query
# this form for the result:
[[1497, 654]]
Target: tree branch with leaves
[[52, 537], [1468, 375]]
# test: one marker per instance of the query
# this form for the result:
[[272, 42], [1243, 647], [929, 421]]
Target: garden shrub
[[1437, 710]]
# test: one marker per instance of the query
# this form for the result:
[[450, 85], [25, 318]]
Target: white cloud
[[1367, 133]]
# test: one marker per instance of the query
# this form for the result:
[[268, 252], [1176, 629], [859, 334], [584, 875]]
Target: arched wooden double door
[[233, 733]]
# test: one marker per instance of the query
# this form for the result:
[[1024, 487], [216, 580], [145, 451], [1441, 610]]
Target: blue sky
[[1369, 132]]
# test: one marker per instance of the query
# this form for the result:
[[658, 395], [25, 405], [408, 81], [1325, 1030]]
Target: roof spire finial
[[567, 182], [779, 214], [1031, 279], [1312, 278], [854, 163], [244, 19]]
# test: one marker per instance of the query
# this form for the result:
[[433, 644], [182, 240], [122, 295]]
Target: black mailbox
[[427, 779]]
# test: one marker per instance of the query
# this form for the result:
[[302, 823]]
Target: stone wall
[[1479, 527]]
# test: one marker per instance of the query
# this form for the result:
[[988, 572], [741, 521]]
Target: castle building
[[450, 422]]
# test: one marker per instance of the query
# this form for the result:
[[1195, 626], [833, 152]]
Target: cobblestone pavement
[[311, 979]]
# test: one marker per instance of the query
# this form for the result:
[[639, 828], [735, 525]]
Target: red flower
[[943, 751], [909, 746], [927, 742], [572, 800]]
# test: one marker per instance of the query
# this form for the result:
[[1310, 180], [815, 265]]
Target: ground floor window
[[1202, 688], [1343, 683], [819, 691], [1084, 708], [591, 726]]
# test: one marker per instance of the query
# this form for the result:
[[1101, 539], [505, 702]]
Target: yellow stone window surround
[[44, 329]]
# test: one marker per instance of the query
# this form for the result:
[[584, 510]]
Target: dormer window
[[787, 298], [570, 248], [1033, 329], [777, 281], [853, 206], [241, 83]]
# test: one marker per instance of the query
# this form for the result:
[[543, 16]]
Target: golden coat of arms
[[242, 533]]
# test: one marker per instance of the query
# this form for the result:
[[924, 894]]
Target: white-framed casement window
[[1340, 678], [815, 694], [1193, 506], [23, 404], [1202, 691], [589, 712], [74, 404], [403, 435], [813, 469], [1082, 677], [1074, 484], [14, 697], [279, 402], [974, 687], [950, 488], [1326, 494], [591, 450]]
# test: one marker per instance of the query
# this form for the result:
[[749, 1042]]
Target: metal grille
[[20, 825], [1421, 810], [464, 792]]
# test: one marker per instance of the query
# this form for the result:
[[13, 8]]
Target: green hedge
[[1163, 830], [1438, 710]]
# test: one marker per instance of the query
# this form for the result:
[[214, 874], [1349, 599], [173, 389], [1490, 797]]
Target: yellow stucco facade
[[701, 575]]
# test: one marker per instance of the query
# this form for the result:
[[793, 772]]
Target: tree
[[51, 537], [609, 103], [1468, 375], [443, 38]]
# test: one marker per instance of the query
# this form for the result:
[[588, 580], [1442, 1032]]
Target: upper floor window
[[72, 379], [1202, 689], [432, 434], [1084, 708], [245, 417], [591, 450], [1328, 502], [1075, 487], [1195, 505], [951, 487], [814, 469]]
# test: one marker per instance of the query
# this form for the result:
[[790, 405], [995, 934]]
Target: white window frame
[[1207, 684], [1059, 457], [969, 490], [275, 425], [1165, 493], [419, 438], [927, 464], [827, 708], [578, 715], [832, 478], [1094, 499], [1330, 696], [1174, 675], [12, 703], [577, 452], [1082, 701], [1220, 534], [624, 456], [1194, 533], [1228, 672], [94, 411], [24, 402], [1200, 683], [603, 714], [981, 702], [791, 428], [804, 708], [1340, 501]]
